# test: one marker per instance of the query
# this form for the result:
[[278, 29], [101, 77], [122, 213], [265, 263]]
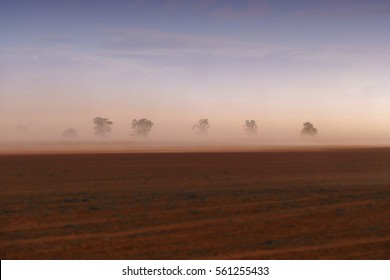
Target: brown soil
[[332, 204]]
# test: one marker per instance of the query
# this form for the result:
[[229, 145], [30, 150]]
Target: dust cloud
[[168, 135]]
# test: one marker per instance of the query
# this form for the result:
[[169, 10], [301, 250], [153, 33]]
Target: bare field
[[330, 204]]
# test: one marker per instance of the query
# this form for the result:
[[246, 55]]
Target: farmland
[[295, 204]]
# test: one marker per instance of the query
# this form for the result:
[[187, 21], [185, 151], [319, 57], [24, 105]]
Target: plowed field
[[330, 204]]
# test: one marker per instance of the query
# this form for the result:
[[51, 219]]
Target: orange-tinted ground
[[331, 204]]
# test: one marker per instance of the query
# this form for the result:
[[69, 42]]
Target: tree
[[70, 133], [141, 127], [308, 129], [102, 126], [202, 126], [250, 127], [21, 129]]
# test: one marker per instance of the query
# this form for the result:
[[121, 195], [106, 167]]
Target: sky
[[278, 62]]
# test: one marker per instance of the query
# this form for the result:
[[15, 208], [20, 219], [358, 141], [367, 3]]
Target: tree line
[[143, 127]]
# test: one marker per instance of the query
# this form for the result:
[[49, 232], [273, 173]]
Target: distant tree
[[102, 126], [308, 129], [141, 127], [21, 129], [202, 126], [250, 127], [70, 133]]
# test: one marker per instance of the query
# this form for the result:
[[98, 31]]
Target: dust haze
[[236, 132]]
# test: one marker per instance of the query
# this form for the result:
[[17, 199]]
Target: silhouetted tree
[[250, 127], [70, 133], [102, 126], [202, 126], [308, 129], [21, 129], [142, 127]]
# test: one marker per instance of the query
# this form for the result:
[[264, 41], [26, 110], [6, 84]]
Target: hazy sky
[[280, 62]]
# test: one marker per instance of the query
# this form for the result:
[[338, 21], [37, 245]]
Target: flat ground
[[330, 204]]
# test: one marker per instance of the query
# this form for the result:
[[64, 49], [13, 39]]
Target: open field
[[303, 204]]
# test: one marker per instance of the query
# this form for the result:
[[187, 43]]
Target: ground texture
[[331, 204]]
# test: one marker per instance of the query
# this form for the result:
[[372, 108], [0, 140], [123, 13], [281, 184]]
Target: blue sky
[[279, 62]]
